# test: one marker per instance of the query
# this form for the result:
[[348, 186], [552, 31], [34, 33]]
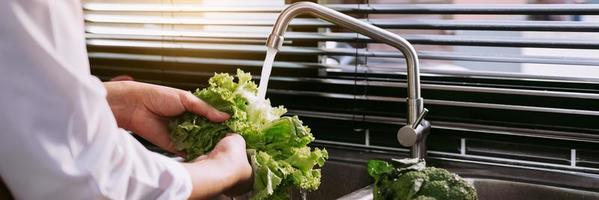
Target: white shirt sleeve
[[58, 137]]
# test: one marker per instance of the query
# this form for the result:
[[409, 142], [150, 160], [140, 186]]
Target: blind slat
[[139, 34], [522, 9], [434, 55], [497, 25]]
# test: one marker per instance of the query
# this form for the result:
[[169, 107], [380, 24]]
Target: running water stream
[[265, 75]]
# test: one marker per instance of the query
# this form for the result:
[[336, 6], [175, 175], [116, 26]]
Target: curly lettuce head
[[277, 145]]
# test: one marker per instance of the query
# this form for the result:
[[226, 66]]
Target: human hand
[[145, 108], [225, 170], [231, 150]]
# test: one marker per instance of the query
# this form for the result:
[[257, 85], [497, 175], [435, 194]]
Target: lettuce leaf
[[276, 145]]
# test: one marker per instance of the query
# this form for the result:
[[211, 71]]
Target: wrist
[[120, 101]]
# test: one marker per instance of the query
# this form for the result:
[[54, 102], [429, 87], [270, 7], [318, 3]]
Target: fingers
[[196, 105], [122, 78], [155, 130], [233, 141], [231, 146]]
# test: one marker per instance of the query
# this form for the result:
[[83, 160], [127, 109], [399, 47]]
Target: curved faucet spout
[[414, 100], [275, 40]]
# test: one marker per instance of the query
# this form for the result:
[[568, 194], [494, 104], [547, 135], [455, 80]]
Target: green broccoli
[[409, 179]]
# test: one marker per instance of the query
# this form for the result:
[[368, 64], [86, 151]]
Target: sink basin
[[344, 176], [491, 189], [500, 189]]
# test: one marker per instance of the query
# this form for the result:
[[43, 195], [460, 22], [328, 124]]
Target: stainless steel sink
[[498, 189], [345, 177], [491, 189]]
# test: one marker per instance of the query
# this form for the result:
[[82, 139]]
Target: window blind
[[504, 83]]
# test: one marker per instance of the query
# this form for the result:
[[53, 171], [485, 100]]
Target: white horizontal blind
[[499, 84]]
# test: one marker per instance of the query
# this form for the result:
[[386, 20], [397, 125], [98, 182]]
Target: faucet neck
[[414, 100], [278, 31]]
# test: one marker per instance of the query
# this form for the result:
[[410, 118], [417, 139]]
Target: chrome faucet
[[414, 133]]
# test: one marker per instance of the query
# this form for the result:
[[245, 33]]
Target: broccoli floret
[[435, 189], [424, 198], [438, 174], [420, 183]]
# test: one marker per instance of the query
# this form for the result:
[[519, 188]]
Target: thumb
[[232, 143]]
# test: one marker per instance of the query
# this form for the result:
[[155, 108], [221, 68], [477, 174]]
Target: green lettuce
[[276, 144]]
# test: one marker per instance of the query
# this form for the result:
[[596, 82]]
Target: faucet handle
[[420, 118], [411, 134]]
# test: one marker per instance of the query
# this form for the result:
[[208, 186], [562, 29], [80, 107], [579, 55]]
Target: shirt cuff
[[181, 185]]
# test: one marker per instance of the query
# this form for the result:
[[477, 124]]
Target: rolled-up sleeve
[[58, 137]]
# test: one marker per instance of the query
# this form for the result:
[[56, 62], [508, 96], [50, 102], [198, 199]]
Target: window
[[504, 83]]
